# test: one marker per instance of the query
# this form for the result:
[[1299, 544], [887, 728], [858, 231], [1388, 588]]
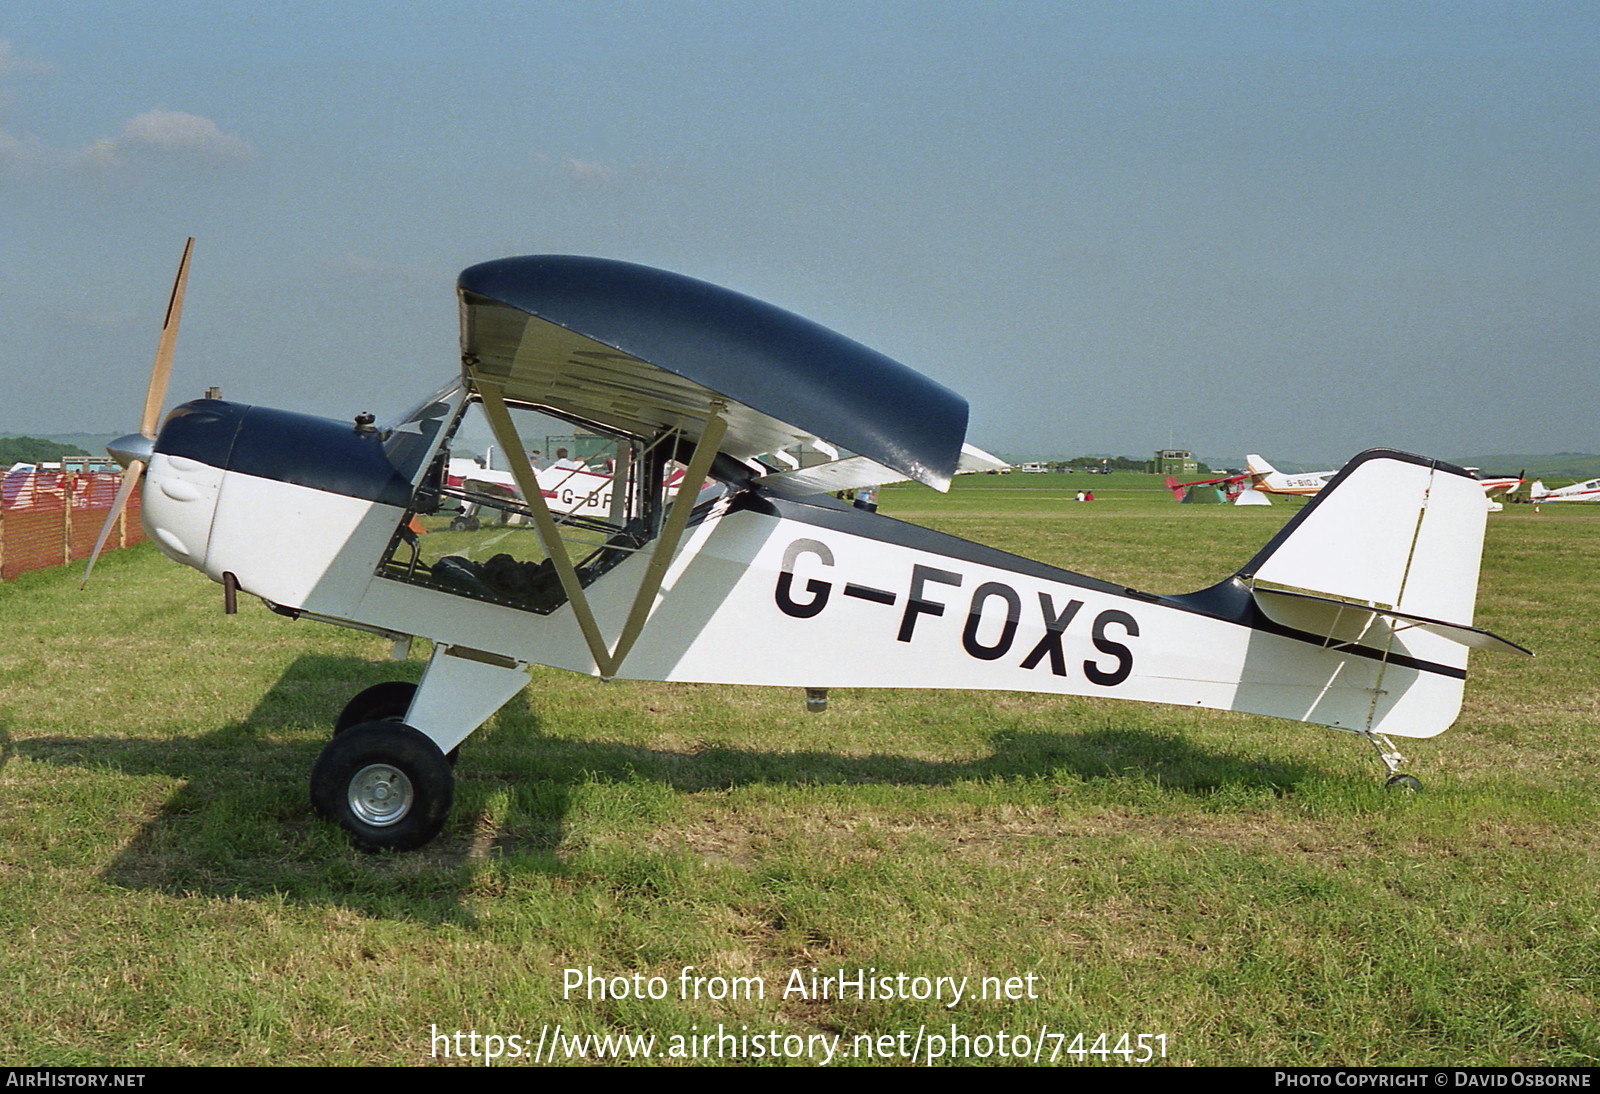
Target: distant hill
[[92, 443], [1571, 465], [26, 449]]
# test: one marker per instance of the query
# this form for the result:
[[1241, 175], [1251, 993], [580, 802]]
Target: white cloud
[[149, 139], [168, 135], [19, 157], [587, 171], [582, 172], [12, 65]]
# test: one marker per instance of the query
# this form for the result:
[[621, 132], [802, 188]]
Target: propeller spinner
[[133, 451]]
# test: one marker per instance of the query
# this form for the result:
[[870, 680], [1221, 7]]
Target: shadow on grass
[[241, 824]]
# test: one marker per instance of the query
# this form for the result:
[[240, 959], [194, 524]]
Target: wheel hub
[[380, 795]]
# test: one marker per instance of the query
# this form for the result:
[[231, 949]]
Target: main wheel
[[385, 783], [1404, 784], [385, 702]]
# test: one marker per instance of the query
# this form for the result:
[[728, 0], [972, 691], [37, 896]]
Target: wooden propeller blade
[[155, 394], [130, 479], [161, 371]]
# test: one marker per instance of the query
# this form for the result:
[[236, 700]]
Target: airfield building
[[1176, 461]]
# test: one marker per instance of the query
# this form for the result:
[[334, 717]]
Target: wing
[[643, 352], [854, 472]]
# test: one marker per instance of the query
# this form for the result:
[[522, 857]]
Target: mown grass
[[1241, 885]]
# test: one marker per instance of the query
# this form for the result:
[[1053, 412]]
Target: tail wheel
[[384, 783]]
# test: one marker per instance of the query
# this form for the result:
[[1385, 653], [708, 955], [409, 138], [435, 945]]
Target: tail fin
[[1259, 466], [1393, 540], [1537, 491]]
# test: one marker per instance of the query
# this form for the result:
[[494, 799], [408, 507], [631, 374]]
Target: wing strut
[[608, 659]]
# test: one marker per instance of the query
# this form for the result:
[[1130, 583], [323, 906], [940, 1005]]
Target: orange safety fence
[[49, 518]]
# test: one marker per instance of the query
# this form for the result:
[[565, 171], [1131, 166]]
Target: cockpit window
[[470, 531]]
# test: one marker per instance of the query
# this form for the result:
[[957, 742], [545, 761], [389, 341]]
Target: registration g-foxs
[[705, 543]]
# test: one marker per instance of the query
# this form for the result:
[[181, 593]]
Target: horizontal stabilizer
[[1342, 621]]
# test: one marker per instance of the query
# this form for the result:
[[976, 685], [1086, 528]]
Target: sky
[[1298, 229]]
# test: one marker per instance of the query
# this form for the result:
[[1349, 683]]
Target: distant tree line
[[1110, 463], [34, 450]]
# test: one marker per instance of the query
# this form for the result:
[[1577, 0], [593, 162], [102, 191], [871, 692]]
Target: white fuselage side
[[860, 612], [852, 601]]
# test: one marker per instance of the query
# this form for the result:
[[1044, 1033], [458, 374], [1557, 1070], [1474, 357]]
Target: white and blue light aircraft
[[1357, 615]]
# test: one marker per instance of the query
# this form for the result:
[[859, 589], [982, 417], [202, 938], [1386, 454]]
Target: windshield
[[408, 442]]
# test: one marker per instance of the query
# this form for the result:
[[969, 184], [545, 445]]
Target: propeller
[[134, 450]]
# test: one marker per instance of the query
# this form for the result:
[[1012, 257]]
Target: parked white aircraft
[[1266, 479], [1578, 491], [579, 491], [1497, 487], [19, 485]]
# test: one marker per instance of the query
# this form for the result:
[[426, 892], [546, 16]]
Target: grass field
[[1242, 886]]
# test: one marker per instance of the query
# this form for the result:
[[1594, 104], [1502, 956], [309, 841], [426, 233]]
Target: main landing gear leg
[[1397, 780]]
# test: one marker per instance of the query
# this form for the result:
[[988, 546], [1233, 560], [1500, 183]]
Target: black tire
[[384, 783], [1403, 784], [385, 702]]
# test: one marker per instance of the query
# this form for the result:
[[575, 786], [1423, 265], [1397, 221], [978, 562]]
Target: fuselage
[[765, 589]]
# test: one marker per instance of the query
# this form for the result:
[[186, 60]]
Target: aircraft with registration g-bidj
[[1357, 615], [1259, 479], [1266, 479]]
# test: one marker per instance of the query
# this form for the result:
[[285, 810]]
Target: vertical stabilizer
[[1392, 530]]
